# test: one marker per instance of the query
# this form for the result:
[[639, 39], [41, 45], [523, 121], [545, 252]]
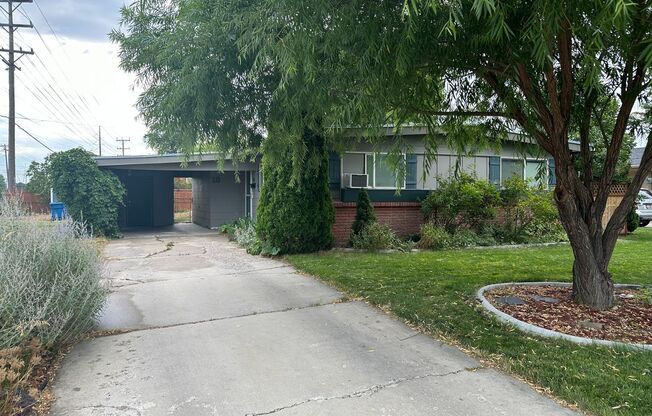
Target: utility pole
[[10, 27], [122, 144], [99, 136]]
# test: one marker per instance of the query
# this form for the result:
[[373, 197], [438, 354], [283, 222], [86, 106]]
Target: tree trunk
[[592, 287], [592, 283]]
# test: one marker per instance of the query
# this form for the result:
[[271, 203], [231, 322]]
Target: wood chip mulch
[[629, 321]]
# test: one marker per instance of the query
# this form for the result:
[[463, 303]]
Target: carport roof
[[177, 162]]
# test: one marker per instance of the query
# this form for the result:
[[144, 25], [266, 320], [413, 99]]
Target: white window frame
[[546, 178], [373, 174]]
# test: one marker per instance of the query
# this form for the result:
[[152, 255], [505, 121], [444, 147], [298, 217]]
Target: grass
[[435, 290]]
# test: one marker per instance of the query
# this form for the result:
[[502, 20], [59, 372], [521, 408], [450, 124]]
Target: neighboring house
[[635, 162], [218, 197]]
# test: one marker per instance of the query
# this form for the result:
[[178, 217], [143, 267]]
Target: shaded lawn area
[[435, 290]]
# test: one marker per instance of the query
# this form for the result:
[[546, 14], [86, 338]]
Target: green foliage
[[364, 214], [200, 96], [39, 179], [434, 237], [375, 236], [461, 202], [529, 212], [633, 220], [296, 213], [50, 283], [470, 238], [3, 184], [91, 195], [645, 295], [182, 183], [243, 232]]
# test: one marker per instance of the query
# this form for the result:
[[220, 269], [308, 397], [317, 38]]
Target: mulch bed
[[552, 308]]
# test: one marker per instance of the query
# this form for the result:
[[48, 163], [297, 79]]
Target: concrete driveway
[[214, 331]]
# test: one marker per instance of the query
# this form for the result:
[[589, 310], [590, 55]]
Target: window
[[510, 168], [535, 174], [376, 166], [353, 163], [385, 176]]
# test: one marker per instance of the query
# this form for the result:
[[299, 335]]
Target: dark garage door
[[140, 198]]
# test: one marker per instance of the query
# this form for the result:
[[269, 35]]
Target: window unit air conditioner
[[358, 180]]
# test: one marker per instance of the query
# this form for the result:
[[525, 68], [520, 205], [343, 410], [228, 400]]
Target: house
[[635, 162], [223, 196], [367, 167]]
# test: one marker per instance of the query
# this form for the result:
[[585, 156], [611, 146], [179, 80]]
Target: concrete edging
[[547, 333]]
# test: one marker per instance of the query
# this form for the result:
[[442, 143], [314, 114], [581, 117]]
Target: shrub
[[374, 237], [91, 195], [434, 237], [228, 229], [633, 220], [296, 212], [243, 232], [50, 283], [470, 238], [364, 214], [530, 214], [462, 202]]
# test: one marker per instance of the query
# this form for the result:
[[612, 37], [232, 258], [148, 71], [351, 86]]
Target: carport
[[218, 195]]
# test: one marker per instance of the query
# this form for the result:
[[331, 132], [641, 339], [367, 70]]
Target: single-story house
[[223, 196], [635, 163]]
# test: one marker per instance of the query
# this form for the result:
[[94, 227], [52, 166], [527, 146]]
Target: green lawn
[[435, 290]]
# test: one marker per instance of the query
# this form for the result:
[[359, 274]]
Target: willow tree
[[472, 69], [546, 67]]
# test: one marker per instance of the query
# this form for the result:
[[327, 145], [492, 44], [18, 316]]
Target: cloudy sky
[[72, 85]]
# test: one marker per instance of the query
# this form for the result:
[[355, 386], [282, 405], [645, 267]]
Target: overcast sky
[[73, 84]]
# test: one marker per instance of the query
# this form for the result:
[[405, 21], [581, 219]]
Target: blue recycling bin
[[57, 211]]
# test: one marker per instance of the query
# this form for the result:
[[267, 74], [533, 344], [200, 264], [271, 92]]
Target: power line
[[35, 138]]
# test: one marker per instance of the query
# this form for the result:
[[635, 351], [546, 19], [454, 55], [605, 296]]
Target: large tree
[[473, 69]]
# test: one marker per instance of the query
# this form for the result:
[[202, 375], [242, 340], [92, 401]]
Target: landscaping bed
[[552, 307]]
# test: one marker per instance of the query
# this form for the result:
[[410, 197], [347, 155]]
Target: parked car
[[644, 207]]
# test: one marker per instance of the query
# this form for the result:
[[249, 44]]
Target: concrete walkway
[[214, 331]]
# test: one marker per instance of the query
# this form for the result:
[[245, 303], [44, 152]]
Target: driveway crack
[[123, 408], [366, 392]]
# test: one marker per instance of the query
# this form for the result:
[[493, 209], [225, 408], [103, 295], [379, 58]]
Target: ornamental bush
[[295, 212], [376, 236], [633, 221], [530, 214], [364, 214], [51, 282], [461, 202], [92, 196]]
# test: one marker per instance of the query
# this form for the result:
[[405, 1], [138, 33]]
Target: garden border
[[547, 333]]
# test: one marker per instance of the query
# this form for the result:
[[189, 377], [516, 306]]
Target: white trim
[[366, 170]]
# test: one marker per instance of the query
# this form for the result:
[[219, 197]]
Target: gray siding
[[448, 160], [217, 199]]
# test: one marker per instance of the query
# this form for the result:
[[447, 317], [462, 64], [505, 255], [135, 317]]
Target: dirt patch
[[551, 307]]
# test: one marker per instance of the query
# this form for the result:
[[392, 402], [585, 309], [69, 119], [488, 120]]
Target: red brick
[[405, 218]]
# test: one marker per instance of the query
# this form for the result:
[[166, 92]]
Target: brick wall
[[182, 200], [405, 218]]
